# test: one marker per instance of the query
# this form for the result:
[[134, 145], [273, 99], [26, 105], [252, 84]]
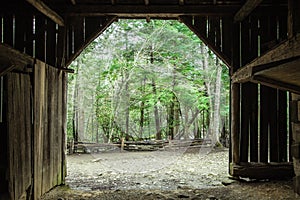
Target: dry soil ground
[[198, 174]]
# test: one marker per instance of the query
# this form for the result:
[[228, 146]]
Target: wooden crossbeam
[[246, 9], [43, 8], [11, 59], [139, 11], [278, 68]]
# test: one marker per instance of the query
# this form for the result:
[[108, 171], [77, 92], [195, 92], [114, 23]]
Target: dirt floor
[[173, 174]]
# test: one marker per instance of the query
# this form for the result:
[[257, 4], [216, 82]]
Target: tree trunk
[[142, 111], [208, 87], [75, 110], [217, 101], [156, 114]]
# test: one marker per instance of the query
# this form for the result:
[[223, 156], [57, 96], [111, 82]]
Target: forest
[[148, 81]]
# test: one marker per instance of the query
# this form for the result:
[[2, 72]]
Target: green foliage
[[120, 70]]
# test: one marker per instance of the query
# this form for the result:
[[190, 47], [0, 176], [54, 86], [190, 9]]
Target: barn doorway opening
[[144, 96]]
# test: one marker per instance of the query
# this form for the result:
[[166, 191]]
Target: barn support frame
[[250, 41]]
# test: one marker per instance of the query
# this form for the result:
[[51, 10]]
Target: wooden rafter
[[43, 8], [246, 9]]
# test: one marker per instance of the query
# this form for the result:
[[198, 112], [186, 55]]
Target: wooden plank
[[264, 170], [282, 126], [282, 23], [293, 18], [107, 21], [200, 22], [29, 35], [20, 32], [11, 57], [11, 132], [43, 8], [51, 43], [40, 122], [235, 103], [46, 142], [20, 167], [253, 90], [49, 132], [171, 11], [264, 122], [245, 121], [4, 161], [59, 129], [61, 47], [8, 30], [64, 127], [268, 33], [296, 139], [226, 36], [78, 33], [246, 9], [212, 30], [187, 21], [40, 44], [274, 142]]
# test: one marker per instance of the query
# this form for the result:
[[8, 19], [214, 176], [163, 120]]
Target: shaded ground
[[200, 174]]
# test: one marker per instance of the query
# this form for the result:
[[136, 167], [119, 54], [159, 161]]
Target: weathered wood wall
[[36, 130], [259, 113]]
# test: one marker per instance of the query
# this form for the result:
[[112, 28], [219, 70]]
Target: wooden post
[[295, 118], [235, 103], [293, 28]]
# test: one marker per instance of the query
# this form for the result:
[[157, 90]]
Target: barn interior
[[257, 39]]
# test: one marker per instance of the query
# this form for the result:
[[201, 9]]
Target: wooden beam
[[67, 70], [146, 2], [43, 8], [11, 56], [263, 170], [278, 68], [246, 9], [172, 11]]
